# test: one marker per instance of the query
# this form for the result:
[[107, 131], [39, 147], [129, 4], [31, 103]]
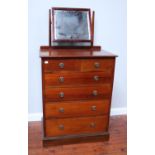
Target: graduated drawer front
[[75, 78], [51, 66], [76, 109], [77, 93], [72, 126]]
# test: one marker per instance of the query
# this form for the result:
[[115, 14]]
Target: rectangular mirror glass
[[71, 25]]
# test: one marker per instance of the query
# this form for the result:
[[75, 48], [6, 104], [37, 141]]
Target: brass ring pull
[[61, 110], [97, 64], [61, 79], [61, 127], [93, 108], [61, 94], [96, 78], [61, 65], [92, 125], [95, 93]]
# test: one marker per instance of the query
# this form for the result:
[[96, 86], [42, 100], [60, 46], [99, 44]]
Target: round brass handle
[[97, 64], [93, 125], [61, 94], [61, 79], [61, 110], [61, 65], [96, 78], [95, 93], [93, 108], [61, 127]]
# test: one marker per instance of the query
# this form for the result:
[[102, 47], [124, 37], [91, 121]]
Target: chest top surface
[[74, 53]]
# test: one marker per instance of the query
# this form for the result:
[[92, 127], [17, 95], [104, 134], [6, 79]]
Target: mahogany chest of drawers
[[77, 90]]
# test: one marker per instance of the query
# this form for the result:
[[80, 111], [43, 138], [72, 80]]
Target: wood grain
[[77, 93], [49, 27], [74, 53], [73, 126], [76, 109], [77, 78], [45, 48], [92, 28], [90, 65], [117, 144], [53, 65], [78, 67]]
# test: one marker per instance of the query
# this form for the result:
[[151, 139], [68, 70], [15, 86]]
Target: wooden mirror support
[[92, 29], [49, 28], [50, 46]]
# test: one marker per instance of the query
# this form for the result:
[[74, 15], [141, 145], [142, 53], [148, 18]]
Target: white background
[[110, 33], [14, 77]]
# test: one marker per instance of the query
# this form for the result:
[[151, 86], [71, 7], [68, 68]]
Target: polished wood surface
[[49, 27], [73, 126], [75, 53], [84, 65], [75, 85], [71, 109], [105, 65], [92, 28], [55, 65], [77, 93], [77, 78], [82, 138], [45, 48], [117, 144]]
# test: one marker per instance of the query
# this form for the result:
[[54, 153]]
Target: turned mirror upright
[[71, 27]]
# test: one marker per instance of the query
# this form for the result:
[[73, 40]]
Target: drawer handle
[[61, 127], [61, 79], [92, 125], [97, 64], [61, 110], [61, 65], [61, 94], [96, 78], [93, 108], [95, 93]]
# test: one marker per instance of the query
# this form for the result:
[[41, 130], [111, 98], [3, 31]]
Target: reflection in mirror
[[71, 25]]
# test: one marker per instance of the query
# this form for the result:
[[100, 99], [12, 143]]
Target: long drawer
[[75, 78], [77, 93], [72, 126], [84, 65], [76, 109]]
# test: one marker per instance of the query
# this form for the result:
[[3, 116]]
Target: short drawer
[[76, 108], [72, 126], [77, 93], [75, 78], [106, 64], [50, 66]]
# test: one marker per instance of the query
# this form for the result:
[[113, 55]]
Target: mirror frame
[[70, 9]]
